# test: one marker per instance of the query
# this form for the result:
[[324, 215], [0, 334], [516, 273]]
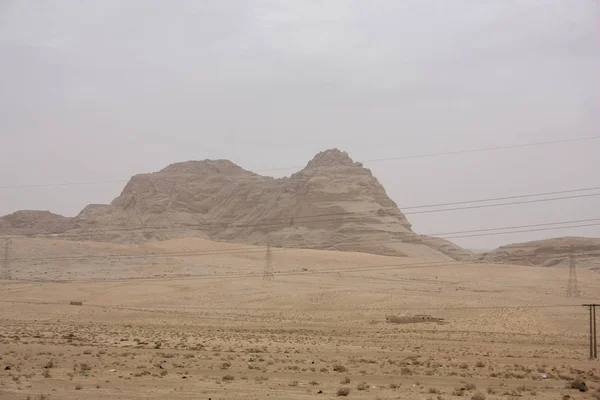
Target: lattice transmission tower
[[573, 287], [6, 260], [268, 273]]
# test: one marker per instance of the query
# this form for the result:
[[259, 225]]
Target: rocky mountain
[[550, 252], [333, 203]]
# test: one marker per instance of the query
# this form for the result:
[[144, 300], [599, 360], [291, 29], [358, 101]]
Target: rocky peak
[[332, 158]]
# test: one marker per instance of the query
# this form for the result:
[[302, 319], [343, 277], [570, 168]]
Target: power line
[[234, 276], [448, 153], [294, 220], [315, 246], [316, 308], [502, 204], [501, 198], [427, 155]]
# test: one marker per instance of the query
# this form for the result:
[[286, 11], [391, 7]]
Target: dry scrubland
[[200, 326]]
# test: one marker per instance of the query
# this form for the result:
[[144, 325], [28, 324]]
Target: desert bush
[[345, 381], [579, 385], [478, 396], [342, 392], [228, 378], [339, 368], [363, 386]]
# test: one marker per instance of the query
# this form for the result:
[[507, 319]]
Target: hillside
[[549, 252], [35, 223], [333, 203]]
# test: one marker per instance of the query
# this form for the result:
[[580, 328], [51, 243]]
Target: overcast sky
[[102, 90]]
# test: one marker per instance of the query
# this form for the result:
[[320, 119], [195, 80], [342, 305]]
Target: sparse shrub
[[313, 383], [579, 385], [343, 392], [478, 396], [480, 364], [363, 386], [345, 381], [228, 378], [294, 383], [164, 372], [339, 368], [46, 374], [49, 364], [433, 391], [470, 386], [83, 367], [78, 387], [225, 365]]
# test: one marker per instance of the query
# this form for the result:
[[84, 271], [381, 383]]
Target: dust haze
[[423, 173]]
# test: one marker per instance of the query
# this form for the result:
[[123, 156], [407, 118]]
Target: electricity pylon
[[573, 287], [6, 260], [268, 273]]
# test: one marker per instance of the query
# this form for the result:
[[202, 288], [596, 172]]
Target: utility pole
[[593, 343], [268, 273], [573, 287], [6, 260]]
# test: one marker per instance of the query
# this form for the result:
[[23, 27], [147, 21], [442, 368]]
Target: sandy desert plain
[[201, 323]]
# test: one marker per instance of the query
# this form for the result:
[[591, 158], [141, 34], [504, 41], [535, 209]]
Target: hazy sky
[[101, 90]]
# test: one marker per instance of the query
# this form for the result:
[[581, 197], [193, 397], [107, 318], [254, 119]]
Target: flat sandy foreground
[[203, 324]]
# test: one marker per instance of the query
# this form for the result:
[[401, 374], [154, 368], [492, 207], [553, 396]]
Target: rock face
[[333, 203], [549, 253]]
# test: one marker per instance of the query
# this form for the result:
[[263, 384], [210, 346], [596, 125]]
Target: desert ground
[[194, 319]]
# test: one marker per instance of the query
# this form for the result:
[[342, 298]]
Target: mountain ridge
[[332, 203]]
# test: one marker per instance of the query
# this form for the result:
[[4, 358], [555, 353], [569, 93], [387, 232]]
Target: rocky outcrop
[[549, 253], [35, 222], [333, 203]]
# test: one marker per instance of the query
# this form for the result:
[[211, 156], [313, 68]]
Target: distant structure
[[268, 273], [573, 287], [6, 260]]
